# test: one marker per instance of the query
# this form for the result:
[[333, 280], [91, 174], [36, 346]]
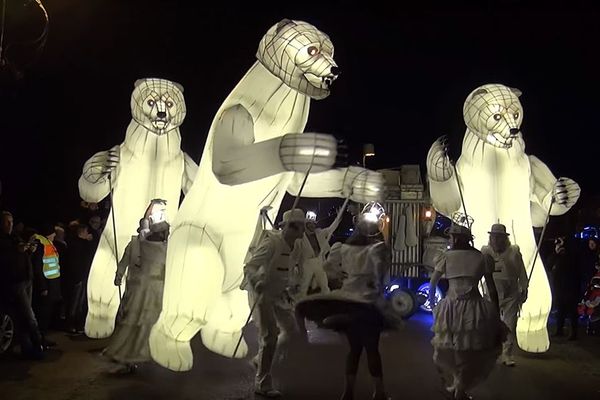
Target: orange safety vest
[[51, 266]]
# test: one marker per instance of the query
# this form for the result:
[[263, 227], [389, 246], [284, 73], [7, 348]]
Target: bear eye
[[516, 115], [497, 117], [312, 51], [169, 104], [151, 103]]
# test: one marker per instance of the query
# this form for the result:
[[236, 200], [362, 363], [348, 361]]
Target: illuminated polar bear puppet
[[255, 153], [500, 183], [148, 165]]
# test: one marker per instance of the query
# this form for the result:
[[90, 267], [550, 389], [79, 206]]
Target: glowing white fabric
[[500, 183]]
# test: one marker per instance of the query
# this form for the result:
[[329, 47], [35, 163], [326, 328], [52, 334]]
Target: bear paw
[[168, 352], [533, 341], [100, 325], [224, 342]]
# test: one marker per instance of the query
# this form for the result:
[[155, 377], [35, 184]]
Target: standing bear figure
[[149, 164], [254, 153], [502, 184]]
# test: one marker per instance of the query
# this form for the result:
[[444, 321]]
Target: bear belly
[[499, 193], [140, 181]]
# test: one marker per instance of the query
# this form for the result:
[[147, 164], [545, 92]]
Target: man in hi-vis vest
[[46, 287]]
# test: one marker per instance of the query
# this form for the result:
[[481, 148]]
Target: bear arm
[[328, 183], [190, 168], [445, 196], [236, 157], [542, 187], [92, 191]]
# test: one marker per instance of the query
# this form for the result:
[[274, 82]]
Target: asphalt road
[[76, 371]]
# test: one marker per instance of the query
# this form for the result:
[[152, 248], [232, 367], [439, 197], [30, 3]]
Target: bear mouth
[[497, 140], [321, 82], [160, 123]]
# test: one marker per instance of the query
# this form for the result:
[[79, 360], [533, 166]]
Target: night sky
[[405, 75]]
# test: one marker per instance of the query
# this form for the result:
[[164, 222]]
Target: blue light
[[588, 232], [424, 291]]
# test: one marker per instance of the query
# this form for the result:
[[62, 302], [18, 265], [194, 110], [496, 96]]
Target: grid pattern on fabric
[[300, 55], [494, 113], [153, 98]]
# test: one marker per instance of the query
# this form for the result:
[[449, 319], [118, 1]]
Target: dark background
[[406, 71]]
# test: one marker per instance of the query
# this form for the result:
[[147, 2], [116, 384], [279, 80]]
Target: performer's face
[[499, 243], [295, 230]]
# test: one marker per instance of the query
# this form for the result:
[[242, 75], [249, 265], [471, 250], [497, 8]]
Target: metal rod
[[462, 199], [112, 213], [2, 29], [537, 250], [237, 346]]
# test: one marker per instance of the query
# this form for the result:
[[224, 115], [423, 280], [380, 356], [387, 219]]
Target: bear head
[[158, 105], [494, 113], [301, 56]]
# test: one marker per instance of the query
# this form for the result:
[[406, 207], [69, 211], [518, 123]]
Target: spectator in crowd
[[15, 264], [95, 228], [46, 288], [566, 278], [589, 260], [63, 253], [77, 269]]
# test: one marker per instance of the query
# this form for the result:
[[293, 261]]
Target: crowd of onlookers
[[573, 267], [44, 277]]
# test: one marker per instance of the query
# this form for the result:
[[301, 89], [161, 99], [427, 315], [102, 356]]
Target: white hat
[[295, 215]]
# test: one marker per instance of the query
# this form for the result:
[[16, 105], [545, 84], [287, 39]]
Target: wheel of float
[[7, 332], [423, 297], [404, 303]]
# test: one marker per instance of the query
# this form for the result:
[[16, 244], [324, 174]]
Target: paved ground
[[75, 371]]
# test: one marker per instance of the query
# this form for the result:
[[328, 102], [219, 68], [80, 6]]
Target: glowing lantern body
[[254, 153], [500, 183], [149, 164]]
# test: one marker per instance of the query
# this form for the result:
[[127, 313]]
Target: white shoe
[[508, 361]]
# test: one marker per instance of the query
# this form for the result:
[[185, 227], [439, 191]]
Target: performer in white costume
[[316, 242], [149, 164], [254, 153], [510, 278], [268, 278], [502, 184]]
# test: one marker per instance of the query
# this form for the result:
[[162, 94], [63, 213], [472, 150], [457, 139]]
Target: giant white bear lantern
[[149, 164], [254, 153], [500, 183]]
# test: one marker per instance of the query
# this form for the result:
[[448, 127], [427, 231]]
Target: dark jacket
[[81, 254], [15, 265], [566, 278], [40, 282]]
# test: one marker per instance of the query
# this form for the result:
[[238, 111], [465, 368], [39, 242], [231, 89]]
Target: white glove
[[298, 151], [97, 168], [566, 192], [364, 185], [438, 162]]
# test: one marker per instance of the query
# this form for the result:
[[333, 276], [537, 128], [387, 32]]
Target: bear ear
[[480, 91], [516, 91], [281, 24], [138, 82], [178, 86]]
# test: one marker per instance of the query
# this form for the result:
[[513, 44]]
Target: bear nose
[[162, 114], [514, 131], [335, 71]]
